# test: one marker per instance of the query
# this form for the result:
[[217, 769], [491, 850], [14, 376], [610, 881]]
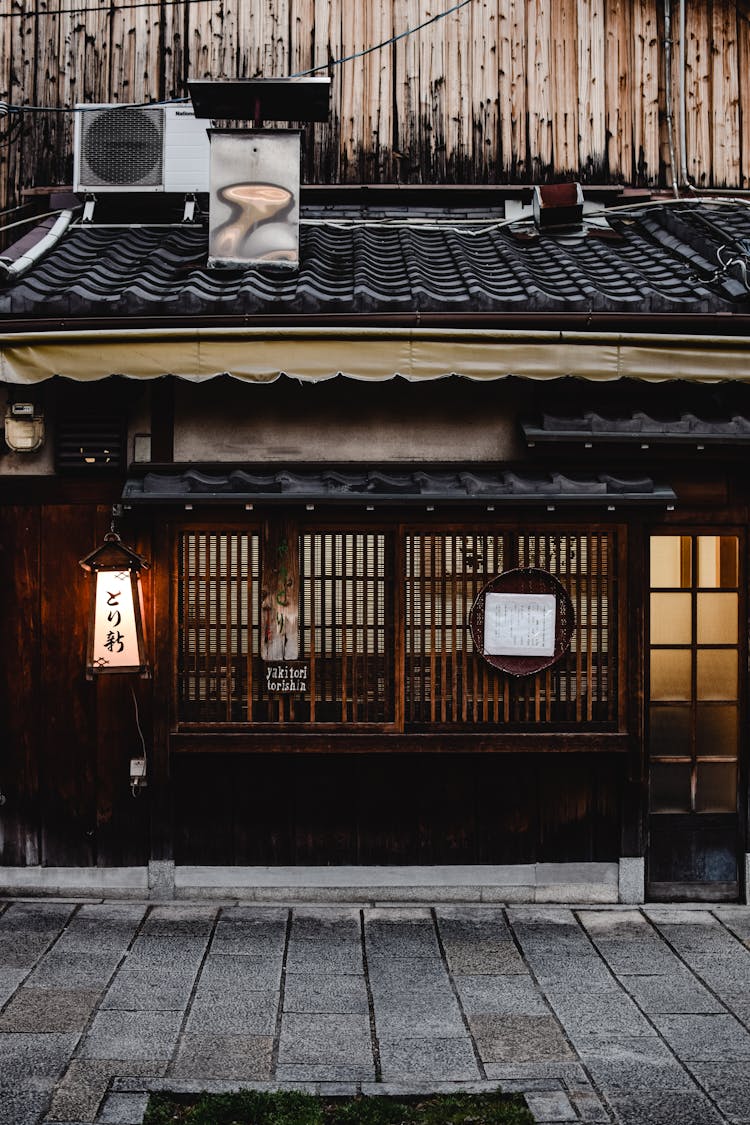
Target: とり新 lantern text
[[116, 640]]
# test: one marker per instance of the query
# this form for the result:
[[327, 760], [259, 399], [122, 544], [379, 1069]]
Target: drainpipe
[[668, 94], [15, 268], [683, 125]]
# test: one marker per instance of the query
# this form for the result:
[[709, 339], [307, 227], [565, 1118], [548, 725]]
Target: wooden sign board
[[287, 677], [280, 592]]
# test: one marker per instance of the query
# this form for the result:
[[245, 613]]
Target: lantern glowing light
[[116, 640]]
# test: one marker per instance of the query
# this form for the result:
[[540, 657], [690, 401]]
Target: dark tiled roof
[[373, 487], [662, 260], [638, 427]]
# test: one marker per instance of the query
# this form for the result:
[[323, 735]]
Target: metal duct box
[[558, 205], [253, 215]]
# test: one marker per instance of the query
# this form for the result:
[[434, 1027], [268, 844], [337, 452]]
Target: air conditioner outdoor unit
[[150, 148]]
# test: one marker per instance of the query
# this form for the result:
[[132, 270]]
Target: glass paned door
[[693, 715]]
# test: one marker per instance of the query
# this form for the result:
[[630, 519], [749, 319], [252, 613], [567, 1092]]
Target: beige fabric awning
[[263, 354]]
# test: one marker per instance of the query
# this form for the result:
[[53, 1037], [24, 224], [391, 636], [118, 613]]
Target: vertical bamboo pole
[[618, 68], [457, 91], [378, 94], [590, 23], [743, 74], [646, 91], [481, 67], [564, 85], [725, 97], [697, 84], [538, 87], [353, 39]]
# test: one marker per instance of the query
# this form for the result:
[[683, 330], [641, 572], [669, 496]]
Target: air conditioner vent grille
[[121, 145]]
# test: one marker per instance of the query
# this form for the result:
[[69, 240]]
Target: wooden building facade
[[498, 91], [464, 373]]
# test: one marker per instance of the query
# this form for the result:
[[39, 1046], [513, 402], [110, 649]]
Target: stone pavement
[[639, 1016]]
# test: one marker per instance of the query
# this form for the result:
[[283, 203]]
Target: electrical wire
[[9, 107], [40, 13], [137, 783], [385, 43]]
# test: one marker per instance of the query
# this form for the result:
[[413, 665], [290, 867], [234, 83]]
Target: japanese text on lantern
[[115, 638]]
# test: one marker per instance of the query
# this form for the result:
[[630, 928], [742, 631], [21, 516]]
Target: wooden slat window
[[346, 632], [447, 684], [384, 661], [346, 619], [582, 687], [213, 600]]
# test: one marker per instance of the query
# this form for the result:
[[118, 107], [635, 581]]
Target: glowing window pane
[[717, 674], [671, 619], [670, 674], [717, 619], [670, 561]]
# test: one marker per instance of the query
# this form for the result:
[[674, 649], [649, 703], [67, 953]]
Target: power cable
[[385, 43], [8, 107], [40, 13]]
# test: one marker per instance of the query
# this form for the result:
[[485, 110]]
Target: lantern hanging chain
[[116, 514], [137, 783]]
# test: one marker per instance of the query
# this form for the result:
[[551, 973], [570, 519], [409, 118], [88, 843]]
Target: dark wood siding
[[400, 809], [66, 741], [20, 725]]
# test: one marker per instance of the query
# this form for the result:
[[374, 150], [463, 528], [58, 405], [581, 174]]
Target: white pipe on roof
[[19, 266]]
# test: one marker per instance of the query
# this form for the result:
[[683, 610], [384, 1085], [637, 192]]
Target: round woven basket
[[524, 580]]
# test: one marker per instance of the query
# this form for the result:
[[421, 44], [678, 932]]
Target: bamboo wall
[[499, 91]]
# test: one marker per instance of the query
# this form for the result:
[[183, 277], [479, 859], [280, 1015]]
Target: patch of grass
[[292, 1108]]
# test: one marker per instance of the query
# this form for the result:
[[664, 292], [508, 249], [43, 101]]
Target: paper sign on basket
[[519, 624]]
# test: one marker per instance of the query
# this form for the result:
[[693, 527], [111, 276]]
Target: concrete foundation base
[[161, 878], [632, 879], [580, 883]]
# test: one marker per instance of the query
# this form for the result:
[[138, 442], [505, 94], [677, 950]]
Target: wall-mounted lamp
[[116, 641]]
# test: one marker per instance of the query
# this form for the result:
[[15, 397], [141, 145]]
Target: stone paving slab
[[155, 990], [49, 1010], [632, 1016], [204, 1056], [326, 992], [132, 1035]]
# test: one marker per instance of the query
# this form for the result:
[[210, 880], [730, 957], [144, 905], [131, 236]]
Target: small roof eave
[[262, 354], [474, 485]]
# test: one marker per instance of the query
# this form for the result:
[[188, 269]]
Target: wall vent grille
[[88, 443]]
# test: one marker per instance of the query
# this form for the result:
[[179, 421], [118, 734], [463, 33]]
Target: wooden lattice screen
[[392, 654], [346, 624], [447, 683]]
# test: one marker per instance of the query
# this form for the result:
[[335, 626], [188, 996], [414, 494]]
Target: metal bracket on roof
[[88, 209], [191, 210]]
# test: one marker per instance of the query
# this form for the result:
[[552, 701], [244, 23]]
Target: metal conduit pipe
[[669, 95], [682, 107]]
